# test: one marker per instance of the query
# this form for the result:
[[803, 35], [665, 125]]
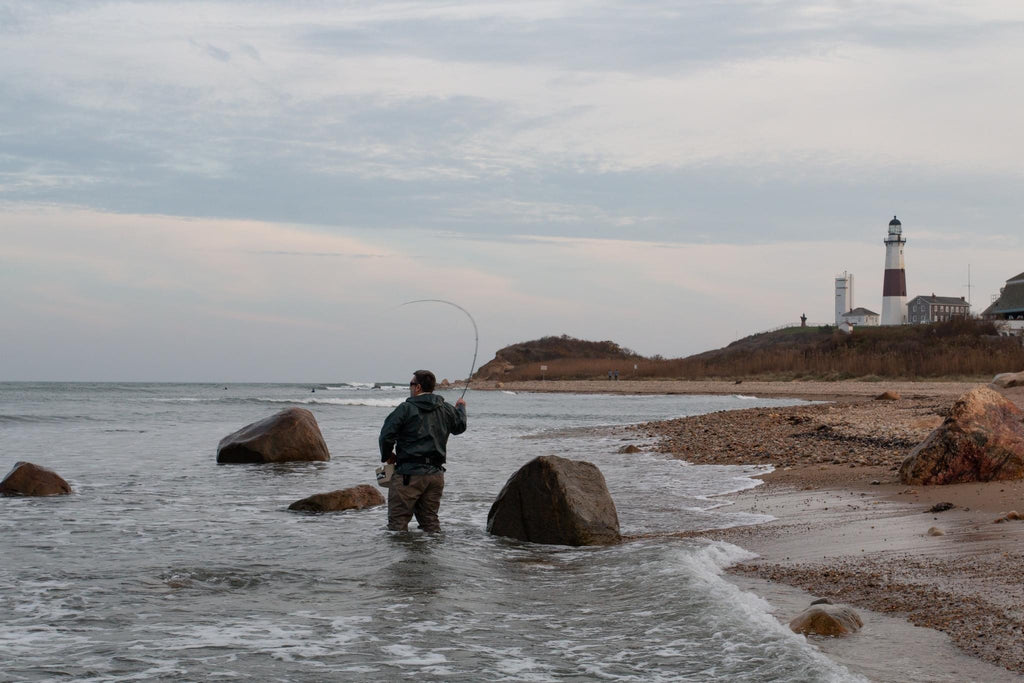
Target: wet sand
[[845, 527]]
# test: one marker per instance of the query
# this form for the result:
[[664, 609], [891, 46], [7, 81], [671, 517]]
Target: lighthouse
[[894, 287]]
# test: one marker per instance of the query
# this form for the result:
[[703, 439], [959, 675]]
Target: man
[[418, 432]]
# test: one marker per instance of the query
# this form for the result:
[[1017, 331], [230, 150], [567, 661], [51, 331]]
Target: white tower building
[[844, 296], [894, 286]]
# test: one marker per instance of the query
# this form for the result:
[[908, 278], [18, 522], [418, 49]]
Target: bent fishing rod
[[476, 334]]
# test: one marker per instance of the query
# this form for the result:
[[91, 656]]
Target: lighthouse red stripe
[[895, 283]]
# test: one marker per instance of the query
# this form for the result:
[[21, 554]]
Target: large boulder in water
[[826, 619], [981, 440], [290, 435], [26, 479], [354, 498], [557, 501]]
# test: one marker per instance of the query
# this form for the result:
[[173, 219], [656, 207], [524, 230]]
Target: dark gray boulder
[[27, 479], [288, 436], [556, 501]]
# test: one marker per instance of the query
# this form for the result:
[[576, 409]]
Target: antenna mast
[[968, 286]]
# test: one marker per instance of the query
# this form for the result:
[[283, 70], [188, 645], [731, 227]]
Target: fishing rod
[[476, 334]]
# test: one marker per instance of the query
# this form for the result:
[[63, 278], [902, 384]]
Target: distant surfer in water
[[415, 439]]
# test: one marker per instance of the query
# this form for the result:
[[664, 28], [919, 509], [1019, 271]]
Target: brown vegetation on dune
[[552, 351], [957, 348]]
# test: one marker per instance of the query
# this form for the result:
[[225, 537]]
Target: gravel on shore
[[847, 529]]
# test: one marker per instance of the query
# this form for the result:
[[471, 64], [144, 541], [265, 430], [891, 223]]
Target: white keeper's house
[[860, 317], [933, 309]]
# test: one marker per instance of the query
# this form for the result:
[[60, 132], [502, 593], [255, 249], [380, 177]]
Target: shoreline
[[844, 527], [836, 391]]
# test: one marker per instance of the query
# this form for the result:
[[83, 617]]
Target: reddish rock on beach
[[981, 440], [26, 479], [556, 501], [354, 498], [290, 435]]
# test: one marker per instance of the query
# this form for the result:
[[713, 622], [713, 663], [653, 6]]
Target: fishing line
[[476, 334]]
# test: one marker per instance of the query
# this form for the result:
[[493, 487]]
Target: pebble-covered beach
[[963, 580], [845, 527]]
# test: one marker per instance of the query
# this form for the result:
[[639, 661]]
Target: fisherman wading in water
[[414, 438]]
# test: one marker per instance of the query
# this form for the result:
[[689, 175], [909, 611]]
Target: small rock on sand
[[1007, 380], [825, 619], [936, 531], [888, 396]]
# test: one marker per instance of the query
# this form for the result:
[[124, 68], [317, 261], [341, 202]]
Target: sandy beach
[[845, 527]]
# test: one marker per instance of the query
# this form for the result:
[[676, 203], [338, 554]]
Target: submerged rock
[[353, 498], [556, 501], [631, 448], [826, 619], [981, 440], [27, 479], [290, 435]]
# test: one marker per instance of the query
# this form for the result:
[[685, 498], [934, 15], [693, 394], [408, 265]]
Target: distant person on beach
[[415, 438]]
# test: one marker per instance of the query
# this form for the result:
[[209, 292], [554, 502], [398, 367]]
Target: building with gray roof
[[933, 309], [1007, 311]]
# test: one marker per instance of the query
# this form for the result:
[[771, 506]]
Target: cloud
[[260, 171], [858, 103], [318, 302]]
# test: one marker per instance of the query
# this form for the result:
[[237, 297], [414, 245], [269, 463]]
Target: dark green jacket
[[418, 430]]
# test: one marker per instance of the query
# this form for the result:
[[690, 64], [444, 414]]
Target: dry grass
[[959, 348]]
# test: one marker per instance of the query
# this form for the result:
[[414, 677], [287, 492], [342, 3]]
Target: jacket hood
[[426, 402]]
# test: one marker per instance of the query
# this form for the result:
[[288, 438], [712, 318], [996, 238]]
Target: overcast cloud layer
[[191, 189]]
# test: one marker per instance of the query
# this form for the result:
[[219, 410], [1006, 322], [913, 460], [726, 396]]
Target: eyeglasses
[[414, 384]]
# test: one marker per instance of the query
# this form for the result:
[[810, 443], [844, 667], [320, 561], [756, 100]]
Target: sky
[[248, 191]]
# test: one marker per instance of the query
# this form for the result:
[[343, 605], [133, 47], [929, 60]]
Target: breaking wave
[[43, 419], [373, 402]]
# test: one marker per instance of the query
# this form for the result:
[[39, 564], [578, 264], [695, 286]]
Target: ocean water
[[164, 565]]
